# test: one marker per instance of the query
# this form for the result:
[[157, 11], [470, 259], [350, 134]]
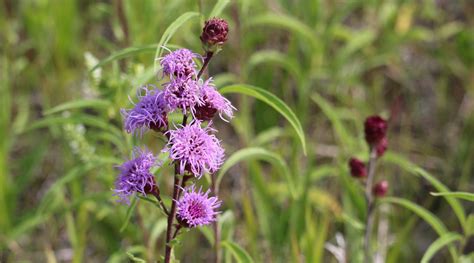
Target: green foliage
[[67, 67]]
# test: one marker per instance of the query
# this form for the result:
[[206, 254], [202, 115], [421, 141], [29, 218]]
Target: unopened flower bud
[[381, 147], [214, 33], [380, 189], [357, 168], [375, 129]]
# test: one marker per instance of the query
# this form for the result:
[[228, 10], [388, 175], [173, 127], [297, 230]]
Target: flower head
[[182, 94], [375, 129], [357, 168], [213, 102], [179, 64], [135, 175], [148, 113], [195, 149], [196, 208], [214, 32], [380, 189]]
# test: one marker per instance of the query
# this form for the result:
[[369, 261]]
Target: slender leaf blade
[[272, 101], [438, 244], [237, 251], [460, 195]]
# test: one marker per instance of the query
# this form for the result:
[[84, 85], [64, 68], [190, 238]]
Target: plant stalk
[[215, 224], [370, 203]]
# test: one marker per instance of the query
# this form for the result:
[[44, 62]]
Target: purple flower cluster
[[179, 64], [196, 208], [149, 113], [135, 175], [196, 150], [193, 147]]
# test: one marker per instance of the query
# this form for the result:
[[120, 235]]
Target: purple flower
[[148, 113], [179, 64], [182, 94], [135, 175], [196, 151], [213, 102], [196, 208]]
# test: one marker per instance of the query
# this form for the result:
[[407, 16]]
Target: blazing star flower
[[179, 64], [148, 113], [182, 94], [135, 176], [196, 151], [213, 102], [196, 208]]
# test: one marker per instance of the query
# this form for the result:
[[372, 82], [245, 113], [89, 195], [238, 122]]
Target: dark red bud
[[357, 168], [205, 112], [381, 147], [214, 32], [380, 189], [152, 188], [375, 128], [159, 127]]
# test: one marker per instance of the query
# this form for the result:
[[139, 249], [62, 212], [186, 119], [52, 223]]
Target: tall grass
[[304, 75]]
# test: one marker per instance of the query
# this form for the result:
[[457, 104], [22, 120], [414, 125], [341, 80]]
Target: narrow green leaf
[[237, 251], [262, 154], [128, 216], [422, 212], [77, 104], [124, 53], [169, 32], [460, 195], [272, 101], [426, 215], [218, 8], [438, 244], [414, 169], [134, 258]]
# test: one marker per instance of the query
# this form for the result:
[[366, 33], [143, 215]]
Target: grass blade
[[272, 101], [460, 195], [77, 104], [238, 252], [169, 32], [438, 244]]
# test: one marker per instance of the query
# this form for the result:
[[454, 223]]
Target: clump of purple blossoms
[[148, 113], [213, 102], [179, 64], [182, 94], [135, 176], [195, 149], [196, 208]]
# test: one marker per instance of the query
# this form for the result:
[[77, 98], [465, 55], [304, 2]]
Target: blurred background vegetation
[[333, 62]]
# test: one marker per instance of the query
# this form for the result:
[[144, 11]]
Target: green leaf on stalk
[[438, 244], [218, 8], [128, 216], [78, 104], [124, 53], [272, 101], [237, 251], [460, 195], [169, 32]]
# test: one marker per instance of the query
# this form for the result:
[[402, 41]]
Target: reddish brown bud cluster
[[214, 33], [375, 129], [380, 189], [357, 168]]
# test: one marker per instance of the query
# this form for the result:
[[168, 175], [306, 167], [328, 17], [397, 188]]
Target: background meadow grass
[[68, 66]]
